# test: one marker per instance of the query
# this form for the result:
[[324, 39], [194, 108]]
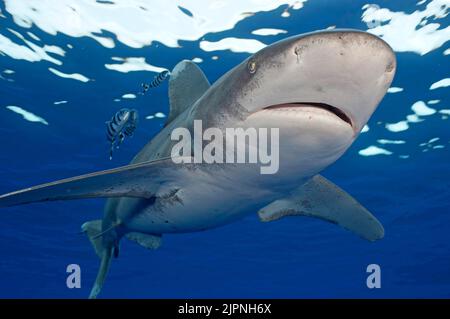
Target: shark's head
[[345, 73], [320, 89]]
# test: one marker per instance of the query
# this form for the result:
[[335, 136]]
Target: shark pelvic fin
[[145, 240], [92, 229], [322, 199], [187, 84]]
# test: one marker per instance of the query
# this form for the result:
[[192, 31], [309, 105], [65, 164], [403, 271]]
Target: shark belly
[[218, 200]]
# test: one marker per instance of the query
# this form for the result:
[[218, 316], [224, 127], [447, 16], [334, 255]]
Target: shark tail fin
[[102, 272], [93, 230]]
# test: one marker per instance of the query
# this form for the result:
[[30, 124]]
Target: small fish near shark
[[157, 80], [319, 89], [122, 124]]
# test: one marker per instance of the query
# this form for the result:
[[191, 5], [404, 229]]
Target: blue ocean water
[[406, 185]]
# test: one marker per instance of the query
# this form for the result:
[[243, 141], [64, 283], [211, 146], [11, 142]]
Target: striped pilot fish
[[122, 124], [157, 80]]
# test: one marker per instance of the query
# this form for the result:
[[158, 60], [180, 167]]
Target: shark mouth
[[329, 108]]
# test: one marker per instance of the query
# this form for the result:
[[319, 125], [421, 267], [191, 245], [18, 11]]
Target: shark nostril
[[297, 53], [390, 66]]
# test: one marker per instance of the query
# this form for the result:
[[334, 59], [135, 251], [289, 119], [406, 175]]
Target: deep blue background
[[293, 257]]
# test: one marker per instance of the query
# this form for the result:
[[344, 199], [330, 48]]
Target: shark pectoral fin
[[187, 84], [137, 180], [145, 240], [322, 199]]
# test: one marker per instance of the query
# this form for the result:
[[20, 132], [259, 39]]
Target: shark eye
[[251, 66]]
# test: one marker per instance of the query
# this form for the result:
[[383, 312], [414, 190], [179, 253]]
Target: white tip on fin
[[187, 84]]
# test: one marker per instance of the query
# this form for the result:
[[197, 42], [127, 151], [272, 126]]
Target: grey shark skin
[[319, 89]]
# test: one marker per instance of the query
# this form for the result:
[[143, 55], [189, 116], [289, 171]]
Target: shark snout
[[346, 72]]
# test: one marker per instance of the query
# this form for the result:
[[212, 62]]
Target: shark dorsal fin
[[186, 85]]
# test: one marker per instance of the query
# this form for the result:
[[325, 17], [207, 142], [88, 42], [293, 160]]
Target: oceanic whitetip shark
[[318, 88]]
